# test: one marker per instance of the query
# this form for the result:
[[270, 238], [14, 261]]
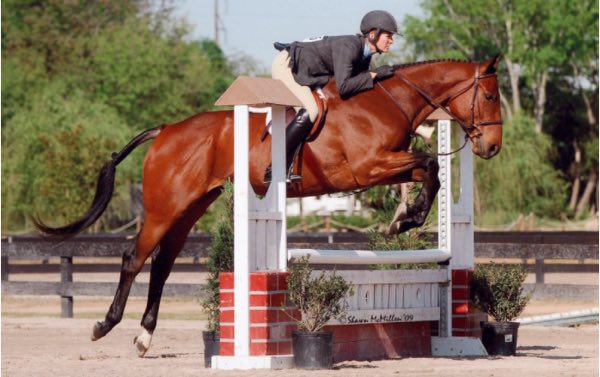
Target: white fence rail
[[370, 256]]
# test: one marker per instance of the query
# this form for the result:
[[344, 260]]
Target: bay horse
[[364, 143]]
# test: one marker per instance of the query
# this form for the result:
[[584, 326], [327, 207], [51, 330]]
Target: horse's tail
[[104, 191]]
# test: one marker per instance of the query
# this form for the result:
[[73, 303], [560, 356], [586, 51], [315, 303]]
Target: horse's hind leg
[[162, 263], [414, 215], [133, 261]]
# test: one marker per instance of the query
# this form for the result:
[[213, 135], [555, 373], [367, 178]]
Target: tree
[[549, 47], [80, 78], [521, 179], [51, 156], [530, 34]]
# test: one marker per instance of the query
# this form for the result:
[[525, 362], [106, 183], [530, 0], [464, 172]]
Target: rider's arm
[[344, 60]]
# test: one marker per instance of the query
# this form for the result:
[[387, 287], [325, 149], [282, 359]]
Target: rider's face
[[385, 41]]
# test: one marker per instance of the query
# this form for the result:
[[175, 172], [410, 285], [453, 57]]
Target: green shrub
[[220, 259], [414, 239], [319, 299], [498, 290], [521, 179]]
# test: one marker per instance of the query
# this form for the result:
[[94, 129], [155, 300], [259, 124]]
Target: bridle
[[473, 130]]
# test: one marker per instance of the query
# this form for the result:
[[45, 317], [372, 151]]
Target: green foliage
[[220, 258], [591, 151], [52, 154], [58, 32], [149, 80], [521, 179], [414, 239], [319, 299], [383, 200], [92, 73], [498, 290]]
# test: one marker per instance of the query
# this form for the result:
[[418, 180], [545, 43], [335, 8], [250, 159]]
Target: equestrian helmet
[[378, 19]]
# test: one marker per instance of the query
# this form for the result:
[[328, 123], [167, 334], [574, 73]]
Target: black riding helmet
[[380, 20]]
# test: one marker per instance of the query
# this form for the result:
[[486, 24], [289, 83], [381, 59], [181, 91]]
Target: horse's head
[[477, 108]]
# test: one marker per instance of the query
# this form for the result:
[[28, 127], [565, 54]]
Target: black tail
[[104, 192]]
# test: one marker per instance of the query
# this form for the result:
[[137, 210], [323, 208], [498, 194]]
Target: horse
[[363, 143]]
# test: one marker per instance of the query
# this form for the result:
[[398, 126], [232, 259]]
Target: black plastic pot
[[313, 350], [500, 338], [211, 346]]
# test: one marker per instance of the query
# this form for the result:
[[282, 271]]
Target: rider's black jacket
[[314, 62]]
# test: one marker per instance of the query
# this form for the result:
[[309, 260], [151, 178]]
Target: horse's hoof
[[142, 342], [393, 229], [97, 331], [406, 225]]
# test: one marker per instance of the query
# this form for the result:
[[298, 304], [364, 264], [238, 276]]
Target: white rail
[[370, 256]]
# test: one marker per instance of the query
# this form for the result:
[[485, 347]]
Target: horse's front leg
[[413, 215], [388, 167]]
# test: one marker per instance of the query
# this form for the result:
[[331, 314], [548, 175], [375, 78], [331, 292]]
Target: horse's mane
[[407, 65]]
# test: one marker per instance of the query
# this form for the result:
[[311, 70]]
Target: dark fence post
[[66, 276], [539, 271], [4, 268]]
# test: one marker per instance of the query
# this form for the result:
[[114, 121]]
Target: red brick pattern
[[270, 323], [465, 315], [226, 280]]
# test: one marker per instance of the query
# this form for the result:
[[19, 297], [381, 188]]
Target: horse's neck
[[438, 80]]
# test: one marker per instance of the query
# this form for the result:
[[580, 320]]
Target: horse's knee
[[432, 168], [432, 165]]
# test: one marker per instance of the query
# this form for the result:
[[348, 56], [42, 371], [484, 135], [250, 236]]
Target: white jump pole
[[260, 242], [252, 251], [241, 203], [455, 234], [445, 222]]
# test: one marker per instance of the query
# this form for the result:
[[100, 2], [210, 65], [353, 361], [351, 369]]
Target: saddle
[[321, 101]]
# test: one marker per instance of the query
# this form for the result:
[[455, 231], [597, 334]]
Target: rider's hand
[[383, 72]]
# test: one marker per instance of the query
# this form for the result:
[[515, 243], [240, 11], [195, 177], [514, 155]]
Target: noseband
[[474, 129]]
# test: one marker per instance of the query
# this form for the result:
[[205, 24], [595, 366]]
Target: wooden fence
[[566, 252]]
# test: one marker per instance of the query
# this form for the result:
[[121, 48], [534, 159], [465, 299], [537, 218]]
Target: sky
[[251, 26]]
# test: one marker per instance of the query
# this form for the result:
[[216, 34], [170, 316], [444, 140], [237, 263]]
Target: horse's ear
[[492, 64]]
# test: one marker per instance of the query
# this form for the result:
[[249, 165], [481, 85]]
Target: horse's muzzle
[[489, 152]]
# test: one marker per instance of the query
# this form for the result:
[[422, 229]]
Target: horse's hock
[[392, 313]]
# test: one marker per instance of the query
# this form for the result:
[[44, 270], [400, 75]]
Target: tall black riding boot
[[295, 134]]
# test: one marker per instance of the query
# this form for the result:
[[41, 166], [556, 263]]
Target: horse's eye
[[490, 97]]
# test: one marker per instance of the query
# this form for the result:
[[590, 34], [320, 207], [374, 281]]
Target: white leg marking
[[142, 342]]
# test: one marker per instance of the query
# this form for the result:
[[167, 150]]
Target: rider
[[307, 65]]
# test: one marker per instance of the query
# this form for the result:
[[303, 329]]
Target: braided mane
[[407, 65]]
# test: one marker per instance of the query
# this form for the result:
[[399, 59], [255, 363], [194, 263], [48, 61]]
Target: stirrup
[[293, 178], [289, 179]]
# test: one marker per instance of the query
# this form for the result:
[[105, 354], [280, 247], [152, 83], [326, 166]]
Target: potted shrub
[[220, 259], [319, 299], [498, 291]]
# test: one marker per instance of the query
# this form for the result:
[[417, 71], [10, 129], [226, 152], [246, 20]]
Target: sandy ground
[[61, 347], [35, 342]]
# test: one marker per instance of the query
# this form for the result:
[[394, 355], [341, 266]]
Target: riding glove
[[383, 72]]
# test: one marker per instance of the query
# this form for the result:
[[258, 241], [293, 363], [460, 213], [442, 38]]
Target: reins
[[428, 98], [438, 105]]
